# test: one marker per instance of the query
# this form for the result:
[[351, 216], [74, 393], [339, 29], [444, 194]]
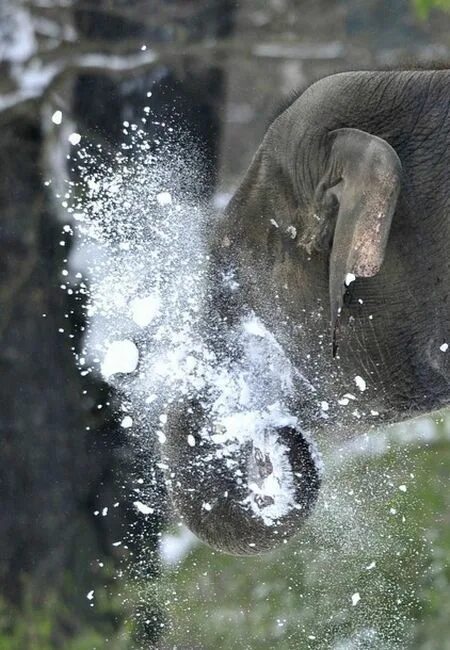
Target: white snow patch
[[355, 599], [127, 422], [174, 548], [144, 310], [349, 278], [443, 347], [120, 357], [164, 198], [142, 508], [57, 117], [361, 383], [74, 138]]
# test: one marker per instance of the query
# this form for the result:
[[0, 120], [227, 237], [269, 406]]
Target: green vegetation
[[44, 621], [371, 570], [423, 7], [381, 533]]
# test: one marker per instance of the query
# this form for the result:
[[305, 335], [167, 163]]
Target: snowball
[[444, 347], [141, 507], [164, 198], [355, 599], [74, 138], [127, 422], [121, 356], [360, 382], [144, 310], [57, 117]]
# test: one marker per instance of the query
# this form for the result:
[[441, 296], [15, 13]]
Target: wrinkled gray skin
[[355, 175]]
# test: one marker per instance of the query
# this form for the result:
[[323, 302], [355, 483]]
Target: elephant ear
[[363, 182]]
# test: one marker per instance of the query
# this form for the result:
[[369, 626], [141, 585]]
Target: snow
[[57, 117], [361, 383], [349, 278], [443, 347], [142, 508], [74, 138], [90, 594], [355, 599], [164, 198], [173, 548], [120, 357], [144, 310], [17, 38], [146, 268]]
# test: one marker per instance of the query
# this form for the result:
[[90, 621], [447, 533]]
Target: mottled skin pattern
[[352, 178]]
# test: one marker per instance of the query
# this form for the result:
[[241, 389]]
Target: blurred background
[[371, 569]]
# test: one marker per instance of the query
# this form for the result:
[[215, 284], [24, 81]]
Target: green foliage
[[423, 7], [381, 531], [47, 623]]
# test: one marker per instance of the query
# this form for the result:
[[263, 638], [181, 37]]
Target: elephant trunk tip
[[250, 498]]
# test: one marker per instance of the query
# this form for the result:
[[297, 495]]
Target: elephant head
[[322, 240]]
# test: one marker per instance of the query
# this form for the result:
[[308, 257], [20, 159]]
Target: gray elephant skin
[[338, 239]]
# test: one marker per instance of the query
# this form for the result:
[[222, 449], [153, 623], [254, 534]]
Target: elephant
[[335, 245]]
